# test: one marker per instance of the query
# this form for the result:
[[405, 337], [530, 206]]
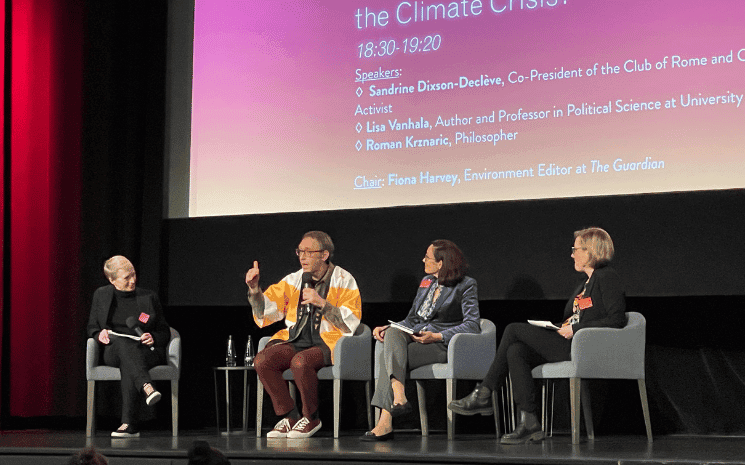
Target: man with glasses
[[320, 303]]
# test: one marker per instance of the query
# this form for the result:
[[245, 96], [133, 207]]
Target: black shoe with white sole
[[126, 431]]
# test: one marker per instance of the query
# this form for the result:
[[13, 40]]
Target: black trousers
[[522, 348], [134, 359]]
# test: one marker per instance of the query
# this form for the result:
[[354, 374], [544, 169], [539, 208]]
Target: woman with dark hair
[[599, 301], [445, 304]]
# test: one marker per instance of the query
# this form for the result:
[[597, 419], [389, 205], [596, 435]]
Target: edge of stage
[[40, 447]]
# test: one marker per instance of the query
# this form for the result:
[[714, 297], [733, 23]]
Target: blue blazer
[[456, 309]]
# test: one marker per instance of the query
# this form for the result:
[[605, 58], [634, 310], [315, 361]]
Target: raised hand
[[252, 277]]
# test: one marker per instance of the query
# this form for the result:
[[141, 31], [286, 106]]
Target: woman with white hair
[[120, 310]]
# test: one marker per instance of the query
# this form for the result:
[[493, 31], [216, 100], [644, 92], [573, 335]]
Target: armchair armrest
[[173, 350], [262, 343], [352, 356], [470, 355], [91, 357], [609, 352]]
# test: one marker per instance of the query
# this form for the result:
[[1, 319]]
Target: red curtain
[[2, 182], [44, 319]]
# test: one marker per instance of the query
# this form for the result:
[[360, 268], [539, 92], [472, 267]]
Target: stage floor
[[159, 448]]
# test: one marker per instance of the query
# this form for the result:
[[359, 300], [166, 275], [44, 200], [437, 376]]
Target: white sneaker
[[304, 428], [282, 429]]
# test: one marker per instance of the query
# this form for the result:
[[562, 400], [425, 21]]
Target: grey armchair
[[95, 372], [469, 357], [606, 353], [352, 357]]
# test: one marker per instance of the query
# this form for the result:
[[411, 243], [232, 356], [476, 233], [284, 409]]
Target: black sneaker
[[153, 398], [126, 431]]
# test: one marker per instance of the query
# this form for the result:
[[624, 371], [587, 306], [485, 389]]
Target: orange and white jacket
[[281, 300]]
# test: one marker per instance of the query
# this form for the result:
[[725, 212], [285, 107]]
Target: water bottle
[[230, 354], [249, 357]]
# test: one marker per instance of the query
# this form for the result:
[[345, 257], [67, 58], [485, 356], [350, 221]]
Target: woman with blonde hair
[[599, 301]]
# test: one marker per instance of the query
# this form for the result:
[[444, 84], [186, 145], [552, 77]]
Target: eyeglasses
[[574, 249], [430, 258], [306, 253]]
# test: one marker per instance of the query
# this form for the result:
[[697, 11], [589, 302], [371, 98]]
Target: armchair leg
[[450, 396], [544, 403], [587, 410], [259, 406], [553, 397], [337, 407], [368, 400], [511, 413], [574, 401], [174, 406], [505, 399], [90, 421], [422, 407], [494, 399], [645, 408], [547, 406], [293, 391]]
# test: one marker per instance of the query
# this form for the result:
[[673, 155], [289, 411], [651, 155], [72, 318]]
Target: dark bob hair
[[454, 264]]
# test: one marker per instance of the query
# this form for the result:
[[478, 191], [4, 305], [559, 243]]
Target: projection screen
[[347, 104]]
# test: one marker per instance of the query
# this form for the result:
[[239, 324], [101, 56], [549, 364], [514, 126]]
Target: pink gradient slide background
[[274, 127]]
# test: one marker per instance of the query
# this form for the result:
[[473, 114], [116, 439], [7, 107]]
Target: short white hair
[[112, 266]]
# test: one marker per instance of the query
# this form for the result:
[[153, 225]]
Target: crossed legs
[[400, 354]]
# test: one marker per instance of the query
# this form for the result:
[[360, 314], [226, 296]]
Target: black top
[[607, 304], [123, 306]]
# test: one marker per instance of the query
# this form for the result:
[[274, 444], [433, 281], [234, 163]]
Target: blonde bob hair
[[599, 245]]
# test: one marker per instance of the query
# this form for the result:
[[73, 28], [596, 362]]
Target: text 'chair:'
[[351, 363], [95, 372], [602, 353]]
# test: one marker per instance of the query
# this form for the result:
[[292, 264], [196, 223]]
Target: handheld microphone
[[307, 284], [132, 324]]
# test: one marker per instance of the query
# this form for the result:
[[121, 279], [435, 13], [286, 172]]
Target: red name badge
[[144, 317], [584, 303], [425, 283]]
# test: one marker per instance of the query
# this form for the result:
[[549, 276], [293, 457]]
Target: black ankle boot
[[528, 430], [479, 401]]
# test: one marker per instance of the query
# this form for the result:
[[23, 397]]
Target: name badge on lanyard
[[584, 303]]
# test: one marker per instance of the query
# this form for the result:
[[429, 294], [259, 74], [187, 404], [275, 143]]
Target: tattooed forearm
[[333, 316], [256, 300]]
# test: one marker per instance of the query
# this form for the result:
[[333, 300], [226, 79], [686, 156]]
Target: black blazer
[[147, 302], [608, 296]]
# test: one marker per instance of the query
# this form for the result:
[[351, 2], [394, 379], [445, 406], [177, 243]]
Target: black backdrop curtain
[[122, 157], [124, 111]]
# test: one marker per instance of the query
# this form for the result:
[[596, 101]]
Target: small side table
[[228, 370]]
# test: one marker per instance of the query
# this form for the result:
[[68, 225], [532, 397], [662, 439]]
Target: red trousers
[[271, 362]]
